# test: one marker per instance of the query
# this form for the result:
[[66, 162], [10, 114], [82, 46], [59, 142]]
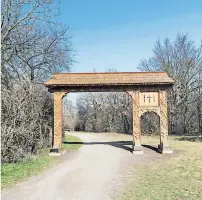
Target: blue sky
[[119, 33]]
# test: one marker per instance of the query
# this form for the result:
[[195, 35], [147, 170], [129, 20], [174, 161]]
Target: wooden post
[[163, 147], [137, 148], [57, 131]]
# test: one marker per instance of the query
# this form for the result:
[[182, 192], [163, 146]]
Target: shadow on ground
[[151, 147], [190, 138], [118, 144]]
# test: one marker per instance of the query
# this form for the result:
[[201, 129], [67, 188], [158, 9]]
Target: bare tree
[[183, 62], [69, 114], [33, 46], [104, 112]]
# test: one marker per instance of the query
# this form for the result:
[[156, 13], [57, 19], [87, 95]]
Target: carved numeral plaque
[[149, 99]]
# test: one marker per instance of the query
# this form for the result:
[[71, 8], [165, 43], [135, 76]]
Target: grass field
[[177, 178], [15, 172]]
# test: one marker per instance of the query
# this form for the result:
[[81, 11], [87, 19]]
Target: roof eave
[[104, 84]]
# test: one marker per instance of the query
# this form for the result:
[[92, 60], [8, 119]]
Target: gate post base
[[137, 150], [164, 149], [54, 152]]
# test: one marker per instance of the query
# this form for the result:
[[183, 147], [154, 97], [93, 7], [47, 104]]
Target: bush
[[26, 122]]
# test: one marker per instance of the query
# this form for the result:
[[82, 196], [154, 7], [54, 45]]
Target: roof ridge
[[109, 73], [110, 78]]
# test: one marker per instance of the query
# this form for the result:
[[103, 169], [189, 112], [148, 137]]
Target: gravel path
[[91, 173], [97, 171]]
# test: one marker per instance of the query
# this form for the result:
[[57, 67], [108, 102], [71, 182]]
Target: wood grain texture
[[57, 141]]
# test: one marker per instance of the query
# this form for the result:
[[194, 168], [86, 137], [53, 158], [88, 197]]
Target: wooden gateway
[[148, 91]]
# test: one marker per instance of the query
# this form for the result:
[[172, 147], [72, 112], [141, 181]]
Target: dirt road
[[92, 172]]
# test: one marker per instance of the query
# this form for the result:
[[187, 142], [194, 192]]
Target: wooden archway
[[148, 91]]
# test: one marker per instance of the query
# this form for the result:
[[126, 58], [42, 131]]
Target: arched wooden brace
[[161, 110]]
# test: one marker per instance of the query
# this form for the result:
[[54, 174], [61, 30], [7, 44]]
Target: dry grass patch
[[178, 177]]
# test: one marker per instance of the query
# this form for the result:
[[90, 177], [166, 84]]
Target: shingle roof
[[109, 78]]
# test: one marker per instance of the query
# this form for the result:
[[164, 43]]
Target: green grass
[[13, 173], [178, 177], [71, 142]]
